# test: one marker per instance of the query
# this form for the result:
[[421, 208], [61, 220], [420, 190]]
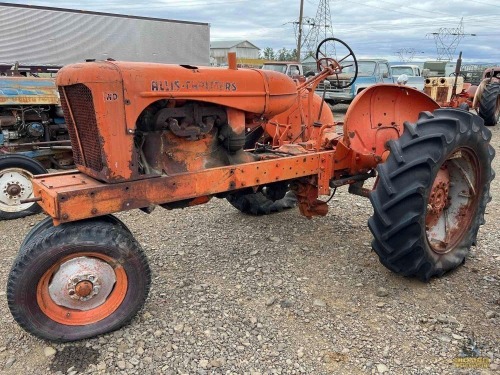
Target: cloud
[[374, 28]]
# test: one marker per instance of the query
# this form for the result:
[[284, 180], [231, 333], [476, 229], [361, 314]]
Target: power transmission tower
[[407, 54], [320, 29], [304, 31], [447, 40]]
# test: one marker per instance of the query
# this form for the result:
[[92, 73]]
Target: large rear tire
[[489, 104], [16, 172], [431, 194], [78, 280]]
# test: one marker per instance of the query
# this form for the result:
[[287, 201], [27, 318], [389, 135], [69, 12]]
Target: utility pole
[[299, 41]]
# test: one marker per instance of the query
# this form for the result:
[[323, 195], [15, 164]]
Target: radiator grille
[[82, 107], [442, 94], [77, 153]]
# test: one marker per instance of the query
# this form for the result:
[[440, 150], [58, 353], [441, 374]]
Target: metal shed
[[45, 35]]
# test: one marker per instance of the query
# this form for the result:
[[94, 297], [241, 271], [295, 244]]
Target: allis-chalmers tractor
[[176, 136]]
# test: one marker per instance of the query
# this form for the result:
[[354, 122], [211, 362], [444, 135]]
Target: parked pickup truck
[[370, 72], [412, 74], [290, 68]]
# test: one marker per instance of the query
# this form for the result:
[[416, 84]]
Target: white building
[[246, 52]]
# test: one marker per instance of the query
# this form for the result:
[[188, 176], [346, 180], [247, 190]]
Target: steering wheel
[[326, 57]]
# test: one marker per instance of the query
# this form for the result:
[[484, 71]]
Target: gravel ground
[[234, 294]]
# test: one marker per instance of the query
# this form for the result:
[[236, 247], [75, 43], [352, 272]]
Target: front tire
[[48, 223], [16, 172], [78, 280], [431, 194]]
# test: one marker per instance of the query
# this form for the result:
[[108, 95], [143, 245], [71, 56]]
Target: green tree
[[282, 54], [268, 54]]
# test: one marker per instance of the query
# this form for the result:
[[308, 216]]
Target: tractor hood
[[265, 93]]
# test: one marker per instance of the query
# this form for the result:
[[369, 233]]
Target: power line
[[407, 54], [482, 2], [447, 40], [320, 29]]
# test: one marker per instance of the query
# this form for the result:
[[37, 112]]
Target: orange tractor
[[146, 135]]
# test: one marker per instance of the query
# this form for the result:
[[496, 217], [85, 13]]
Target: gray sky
[[373, 28]]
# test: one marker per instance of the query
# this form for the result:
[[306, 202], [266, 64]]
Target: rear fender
[[377, 115]]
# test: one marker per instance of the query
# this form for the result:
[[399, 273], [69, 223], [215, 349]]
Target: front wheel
[[16, 172], [78, 280], [432, 194]]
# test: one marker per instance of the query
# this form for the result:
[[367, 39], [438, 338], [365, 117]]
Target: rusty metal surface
[[267, 93], [453, 200], [438, 199], [81, 119], [492, 74], [297, 123], [377, 115], [442, 95], [167, 133], [119, 93], [307, 196], [27, 90], [74, 196], [82, 283], [442, 90]]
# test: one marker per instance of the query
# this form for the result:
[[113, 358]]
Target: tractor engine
[[32, 123], [29, 113]]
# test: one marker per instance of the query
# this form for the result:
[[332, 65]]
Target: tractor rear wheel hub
[[13, 189]]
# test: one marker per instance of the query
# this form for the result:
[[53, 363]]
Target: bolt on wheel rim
[[82, 283], [82, 289], [15, 185], [452, 201]]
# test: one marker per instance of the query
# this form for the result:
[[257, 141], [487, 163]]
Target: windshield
[[365, 68], [398, 70], [275, 67]]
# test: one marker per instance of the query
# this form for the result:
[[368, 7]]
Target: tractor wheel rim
[[15, 185], [81, 289], [452, 201]]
